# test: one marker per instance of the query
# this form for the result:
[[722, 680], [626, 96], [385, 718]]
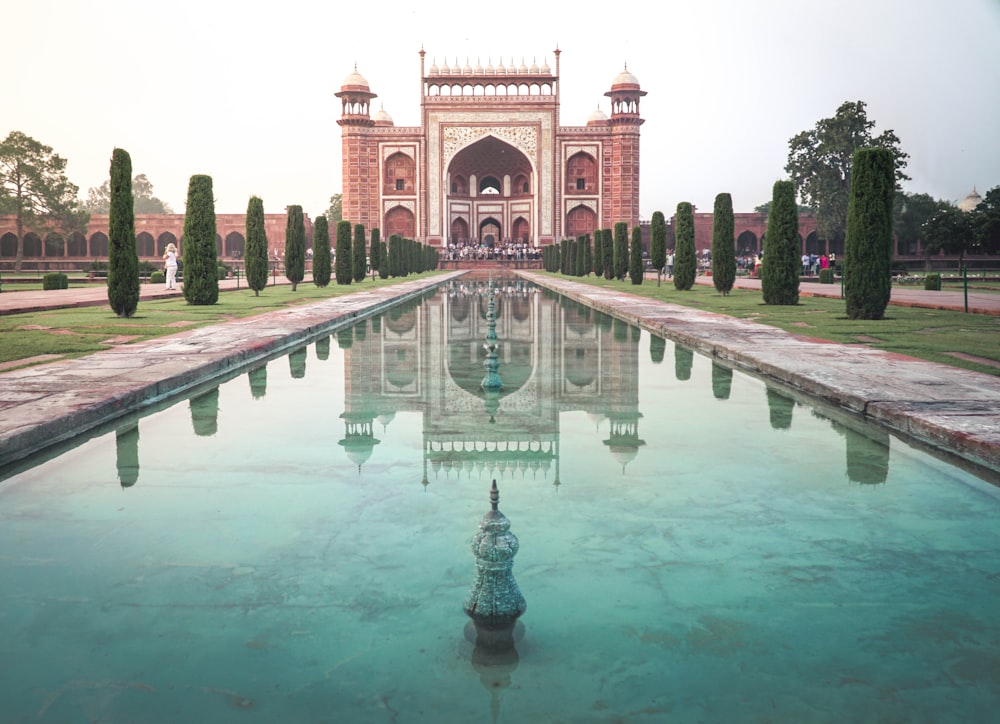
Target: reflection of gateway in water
[[429, 358]]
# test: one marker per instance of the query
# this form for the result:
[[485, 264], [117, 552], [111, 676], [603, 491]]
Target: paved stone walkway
[[947, 408]]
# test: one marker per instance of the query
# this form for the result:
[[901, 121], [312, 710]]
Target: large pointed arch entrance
[[490, 192]]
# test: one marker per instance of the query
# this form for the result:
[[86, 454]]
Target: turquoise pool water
[[293, 544]]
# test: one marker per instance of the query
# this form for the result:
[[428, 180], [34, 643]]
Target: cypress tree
[[635, 270], [598, 253], [383, 269], [782, 251], [342, 261], [376, 252], [621, 250], [685, 255], [588, 256], [321, 252], [658, 243], [608, 251], [359, 254], [201, 274], [395, 249], [295, 246], [868, 245], [723, 245], [256, 254], [123, 261]]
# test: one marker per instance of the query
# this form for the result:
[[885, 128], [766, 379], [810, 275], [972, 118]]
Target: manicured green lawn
[[925, 333], [84, 330]]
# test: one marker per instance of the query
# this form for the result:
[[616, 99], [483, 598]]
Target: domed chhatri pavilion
[[490, 160]]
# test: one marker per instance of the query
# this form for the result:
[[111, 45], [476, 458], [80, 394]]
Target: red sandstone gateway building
[[490, 160]]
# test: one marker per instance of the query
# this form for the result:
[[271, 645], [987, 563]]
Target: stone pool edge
[[48, 404], [953, 410]]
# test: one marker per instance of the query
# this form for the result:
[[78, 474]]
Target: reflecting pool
[[293, 543]]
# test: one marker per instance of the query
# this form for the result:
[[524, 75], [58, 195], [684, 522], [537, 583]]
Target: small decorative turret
[[495, 602]]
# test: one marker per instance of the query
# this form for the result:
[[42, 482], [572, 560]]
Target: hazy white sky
[[243, 91]]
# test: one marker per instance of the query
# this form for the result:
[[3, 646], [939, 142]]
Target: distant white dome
[[625, 78], [355, 80], [598, 116], [383, 118], [434, 68], [971, 201]]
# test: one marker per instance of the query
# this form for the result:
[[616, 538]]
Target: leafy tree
[[658, 243], [723, 245], [201, 274], [986, 220], [383, 269], [685, 255], [256, 252], [635, 265], [598, 253], [588, 256], [779, 279], [123, 261], [342, 260], [295, 246], [321, 252], [765, 208], [621, 249], [376, 251], [868, 253], [34, 187], [910, 213], [99, 198], [950, 230], [820, 163], [334, 214], [608, 251], [359, 254]]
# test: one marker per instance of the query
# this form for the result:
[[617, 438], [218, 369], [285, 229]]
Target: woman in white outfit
[[170, 256]]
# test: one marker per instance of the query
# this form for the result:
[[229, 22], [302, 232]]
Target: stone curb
[[47, 404], [949, 409]]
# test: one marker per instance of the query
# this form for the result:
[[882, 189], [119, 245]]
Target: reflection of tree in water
[[361, 330], [867, 454], [345, 338], [258, 382], [127, 455], [683, 362], [205, 413], [377, 324], [620, 330], [780, 407], [323, 348], [722, 381], [657, 349], [297, 363]]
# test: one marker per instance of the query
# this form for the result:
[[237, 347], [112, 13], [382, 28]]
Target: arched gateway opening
[[490, 186]]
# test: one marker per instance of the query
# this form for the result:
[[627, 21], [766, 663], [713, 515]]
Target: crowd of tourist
[[507, 250]]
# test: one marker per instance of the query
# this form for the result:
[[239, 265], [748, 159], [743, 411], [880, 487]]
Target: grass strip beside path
[[951, 338], [80, 331]]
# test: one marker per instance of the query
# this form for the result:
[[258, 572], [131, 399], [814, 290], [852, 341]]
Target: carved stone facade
[[490, 162]]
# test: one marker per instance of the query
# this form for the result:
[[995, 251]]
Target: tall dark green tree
[[321, 252], [201, 273], [779, 279], [256, 250], [34, 187], [588, 256], [295, 246], [123, 261], [658, 243], [910, 213], [376, 251], [820, 164], [359, 254], [598, 253], [342, 261], [685, 255], [869, 242], [395, 255], [383, 269], [608, 251], [621, 250], [636, 269], [723, 245]]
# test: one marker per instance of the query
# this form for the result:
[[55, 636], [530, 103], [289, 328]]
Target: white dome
[[625, 78], [355, 80], [598, 116], [971, 201]]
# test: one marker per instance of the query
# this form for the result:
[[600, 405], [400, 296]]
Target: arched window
[[400, 174], [581, 174]]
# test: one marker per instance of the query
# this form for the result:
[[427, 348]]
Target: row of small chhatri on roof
[[625, 80]]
